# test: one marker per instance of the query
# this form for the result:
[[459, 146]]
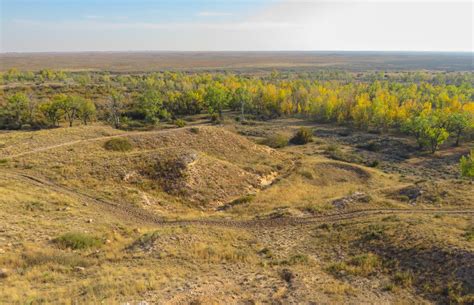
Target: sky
[[235, 25]]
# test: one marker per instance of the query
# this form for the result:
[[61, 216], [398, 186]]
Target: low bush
[[179, 123], [467, 165], [118, 144], [77, 241], [303, 136]]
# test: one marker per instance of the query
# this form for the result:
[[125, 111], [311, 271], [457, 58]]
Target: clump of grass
[[265, 252], [361, 265], [194, 130], [215, 253], [374, 163], [276, 141], [336, 153], [373, 232], [312, 208], [77, 241], [403, 279], [54, 257], [3, 161], [391, 218], [244, 199], [145, 241], [118, 144], [371, 146], [303, 136], [469, 234], [307, 174], [298, 259]]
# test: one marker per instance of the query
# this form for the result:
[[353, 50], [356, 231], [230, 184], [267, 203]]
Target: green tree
[[427, 130], [70, 107], [86, 110], [216, 98], [458, 123], [115, 107], [52, 110], [150, 104], [243, 98], [17, 111]]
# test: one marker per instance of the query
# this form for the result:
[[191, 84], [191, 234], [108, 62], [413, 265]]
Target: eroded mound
[[341, 172], [205, 166], [196, 176]]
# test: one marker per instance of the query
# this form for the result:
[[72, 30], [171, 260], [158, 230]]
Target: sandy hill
[[205, 166]]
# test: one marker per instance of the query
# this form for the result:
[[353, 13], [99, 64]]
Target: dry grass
[[390, 259]]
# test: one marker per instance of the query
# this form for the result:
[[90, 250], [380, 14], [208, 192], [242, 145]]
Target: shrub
[[276, 141], [118, 144], [467, 165], [75, 241], [179, 123], [303, 135], [194, 130]]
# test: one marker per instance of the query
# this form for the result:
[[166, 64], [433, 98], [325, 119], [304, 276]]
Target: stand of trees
[[430, 111]]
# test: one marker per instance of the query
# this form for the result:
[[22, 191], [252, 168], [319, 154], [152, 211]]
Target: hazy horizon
[[39, 26]]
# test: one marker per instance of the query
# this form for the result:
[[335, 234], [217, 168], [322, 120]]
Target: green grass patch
[[118, 144], [77, 241]]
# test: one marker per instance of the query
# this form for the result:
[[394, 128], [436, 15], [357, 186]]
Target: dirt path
[[128, 211], [37, 150]]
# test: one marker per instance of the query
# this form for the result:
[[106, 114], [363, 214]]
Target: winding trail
[[128, 211], [125, 134]]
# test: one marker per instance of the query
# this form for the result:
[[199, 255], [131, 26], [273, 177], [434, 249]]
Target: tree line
[[430, 112]]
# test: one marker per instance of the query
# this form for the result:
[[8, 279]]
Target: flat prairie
[[156, 61]]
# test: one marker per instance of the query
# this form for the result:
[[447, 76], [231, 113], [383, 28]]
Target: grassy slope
[[377, 259]]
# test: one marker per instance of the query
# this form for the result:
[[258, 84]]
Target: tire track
[[129, 212]]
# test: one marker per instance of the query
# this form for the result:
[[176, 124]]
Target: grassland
[[239, 61], [207, 215]]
